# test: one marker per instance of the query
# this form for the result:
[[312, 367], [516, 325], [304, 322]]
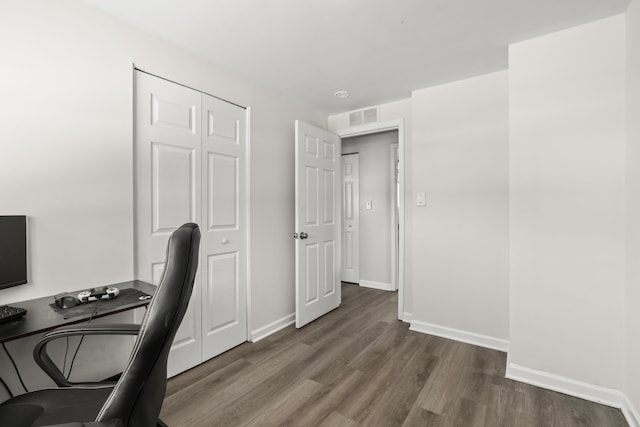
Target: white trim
[[630, 413], [370, 128], [393, 215], [593, 393], [247, 215], [382, 127], [406, 317], [460, 335], [377, 285], [273, 327]]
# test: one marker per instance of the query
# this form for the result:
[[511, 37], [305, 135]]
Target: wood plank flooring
[[360, 366]]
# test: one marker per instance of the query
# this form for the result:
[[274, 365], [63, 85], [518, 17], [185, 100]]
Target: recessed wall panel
[[348, 200], [348, 250], [311, 272], [329, 277], [222, 284], [311, 146], [173, 187], [348, 169], [189, 328], [223, 126], [328, 192], [156, 272], [311, 194], [223, 191], [172, 115], [329, 150]]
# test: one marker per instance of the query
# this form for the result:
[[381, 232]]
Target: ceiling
[[378, 50]]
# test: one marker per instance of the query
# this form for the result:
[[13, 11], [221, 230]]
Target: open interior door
[[317, 222]]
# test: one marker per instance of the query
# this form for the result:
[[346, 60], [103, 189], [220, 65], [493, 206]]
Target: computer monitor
[[13, 250]]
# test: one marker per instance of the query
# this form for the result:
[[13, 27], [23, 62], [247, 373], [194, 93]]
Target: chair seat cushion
[[53, 406]]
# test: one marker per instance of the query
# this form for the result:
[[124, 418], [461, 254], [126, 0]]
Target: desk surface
[[41, 318]]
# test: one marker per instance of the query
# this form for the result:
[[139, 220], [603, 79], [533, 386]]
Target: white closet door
[[351, 218], [224, 228], [167, 185], [190, 166]]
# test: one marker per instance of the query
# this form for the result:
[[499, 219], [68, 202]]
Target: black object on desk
[[9, 313], [126, 297], [41, 317]]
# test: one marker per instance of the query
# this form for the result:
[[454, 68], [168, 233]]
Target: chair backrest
[[137, 397]]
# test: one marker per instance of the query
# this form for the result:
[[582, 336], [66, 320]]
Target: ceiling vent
[[364, 116]]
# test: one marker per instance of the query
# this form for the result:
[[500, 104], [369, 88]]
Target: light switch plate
[[369, 205], [421, 198]]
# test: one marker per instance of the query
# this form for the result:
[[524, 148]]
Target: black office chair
[[136, 398]]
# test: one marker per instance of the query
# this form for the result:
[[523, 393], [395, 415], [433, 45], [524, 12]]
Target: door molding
[[247, 215], [377, 128], [395, 262]]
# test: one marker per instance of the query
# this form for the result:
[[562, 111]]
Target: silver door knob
[[224, 241]]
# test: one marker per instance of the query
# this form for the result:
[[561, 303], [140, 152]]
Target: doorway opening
[[376, 209]]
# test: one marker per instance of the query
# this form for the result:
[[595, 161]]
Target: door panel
[[224, 236], [329, 268], [173, 182], [190, 163], [167, 160], [223, 191], [318, 255], [350, 218]]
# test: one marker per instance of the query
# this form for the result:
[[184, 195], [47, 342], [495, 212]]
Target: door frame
[[395, 262], [372, 128]]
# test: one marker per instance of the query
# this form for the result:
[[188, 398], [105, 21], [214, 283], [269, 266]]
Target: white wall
[[567, 202], [632, 297], [460, 239], [375, 185], [66, 156]]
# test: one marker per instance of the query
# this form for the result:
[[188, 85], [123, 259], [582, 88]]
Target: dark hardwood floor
[[359, 366]]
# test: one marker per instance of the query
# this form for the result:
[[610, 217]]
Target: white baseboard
[[272, 328], [406, 317], [377, 285], [586, 391], [459, 335], [630, 413]]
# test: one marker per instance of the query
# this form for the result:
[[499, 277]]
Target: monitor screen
[[13, 250]]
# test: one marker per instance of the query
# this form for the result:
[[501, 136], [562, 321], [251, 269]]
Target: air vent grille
[[355, 118], [364, 116]]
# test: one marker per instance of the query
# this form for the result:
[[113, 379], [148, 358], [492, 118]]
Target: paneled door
[[224, 235], [350, 218], [190, 156], [167, 192], [317, 222]]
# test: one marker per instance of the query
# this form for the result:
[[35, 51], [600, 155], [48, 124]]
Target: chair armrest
[[50, 368], [110, 423]]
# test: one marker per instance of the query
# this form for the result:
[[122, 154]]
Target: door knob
[[303, 235], [224, 241]]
